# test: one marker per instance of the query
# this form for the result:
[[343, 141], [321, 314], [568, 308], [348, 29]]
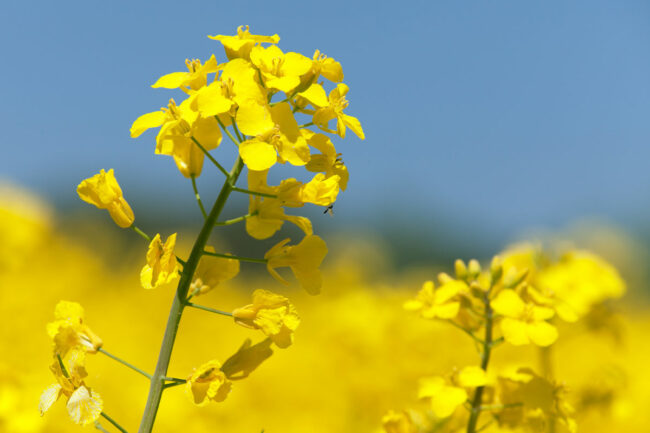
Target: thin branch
[[121, 361], [112, 421], [261, 194], [234, 140], [211, 310], [198, 198], [236, 220], [240, 258], [210, 157]]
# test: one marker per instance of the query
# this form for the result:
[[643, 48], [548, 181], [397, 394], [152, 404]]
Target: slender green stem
[[198, 198], [228, 133], [178, 304], [121, 361], [212, 310], [234, 127], [500, 406], [210, 157], [240, 258], [174, 379], [305, 125], [62, 365], [115, 424], [99, 427], [141, 233], [475, 412], [261, 194], [173, 384], [236, 220]]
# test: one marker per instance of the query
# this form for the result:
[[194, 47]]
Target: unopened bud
[[461, 269], [474, 268]]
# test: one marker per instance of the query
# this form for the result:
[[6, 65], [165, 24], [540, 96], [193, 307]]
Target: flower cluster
[[71, 340], [275, 107], [516, 301]]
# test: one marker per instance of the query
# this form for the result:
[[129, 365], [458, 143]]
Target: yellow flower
[[207, 383], [277, 136], [241, 44], [439, 303], [398, 422], [304, 260], [334, 110], [84, 405], [472, 377], [280, 71], [161, 267], [580, 281], [180, 126], [271, 313], [523, 323], [196, 78], [247, 358], [68, 331], [445, 399], [326, 67], [103, 191], [328, 161], [212, 271]]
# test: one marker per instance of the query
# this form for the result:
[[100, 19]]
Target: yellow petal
[[316, 95], [257, 155], [447, 400], [514, 331], [84, 406], [509, 304], [146, 121], [49, 397], [472, 377], [542, 333], [254, 119], [171, 81]]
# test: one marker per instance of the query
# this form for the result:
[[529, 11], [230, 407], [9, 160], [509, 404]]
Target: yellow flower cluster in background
[[356, 357]]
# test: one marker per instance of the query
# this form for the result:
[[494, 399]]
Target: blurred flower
[[103, 191], [437, 303], [522, 322], [247, 358], [445, 398], [68, 331], [161, 267], [271, 313], [398, 422], [207, 383], [304, 260], [212, 271], [84, 405]]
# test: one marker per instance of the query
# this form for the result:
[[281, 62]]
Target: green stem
[[236, 220], [228, 133], [306, 125], [210, 157], [176, 311], [234, 127], [466, 331], [198, 198], [121, 361], [500, 406], [115, 424], [475, 412], [141, 233], [261, 194], [212, 310], [241, 259], [173, 384]]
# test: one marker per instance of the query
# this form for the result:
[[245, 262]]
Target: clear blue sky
[[496, 115]]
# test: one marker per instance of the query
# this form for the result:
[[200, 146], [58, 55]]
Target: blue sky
[[495, 116]]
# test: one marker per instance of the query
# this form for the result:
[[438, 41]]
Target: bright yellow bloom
[[326, 67], [84, 405], [212, 271], [271, 313], [304, 260], [180, 126], [68, 331], [280, 71], [523, 323], [328, 161], [439, 303], [580, 281], [241, 44], [276, 136], [161, 267], [445, 399], [196, 78], [207, 383], [334, 110], [472, 377], [247, 358], [398, 422], [103, 191]]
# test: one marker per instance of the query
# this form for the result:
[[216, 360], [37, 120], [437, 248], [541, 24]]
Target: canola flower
[[260, 99], [514, 302]]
